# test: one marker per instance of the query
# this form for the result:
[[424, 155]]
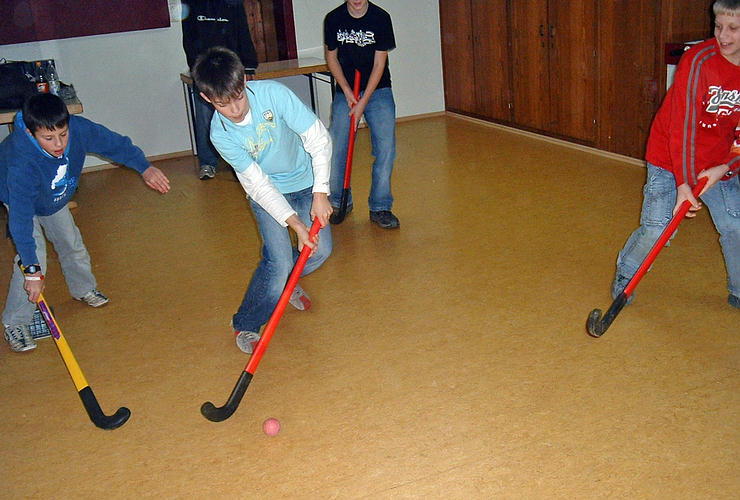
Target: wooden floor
[[447, 359]]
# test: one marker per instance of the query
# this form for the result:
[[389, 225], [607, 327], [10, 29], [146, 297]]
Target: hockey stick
[[87, 396], [339, 215], [596, 325], [218, 414]]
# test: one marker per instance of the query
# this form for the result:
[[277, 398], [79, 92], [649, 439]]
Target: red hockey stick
[[596, 325], [218, 414], [338, 216]]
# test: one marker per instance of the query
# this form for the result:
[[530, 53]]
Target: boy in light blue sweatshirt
[[281, 154], [40, 167]]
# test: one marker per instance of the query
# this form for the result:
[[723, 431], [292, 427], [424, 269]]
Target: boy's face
[[357, 7], [53, 141], [727, 33], [233, 108]]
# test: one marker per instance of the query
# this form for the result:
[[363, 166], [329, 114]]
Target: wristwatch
[[32, 269]]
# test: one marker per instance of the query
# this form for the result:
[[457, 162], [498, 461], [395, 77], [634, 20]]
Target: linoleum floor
[[445, 359]]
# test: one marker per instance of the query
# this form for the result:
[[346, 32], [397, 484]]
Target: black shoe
[[733, 300], [385, 219], [334, 217]]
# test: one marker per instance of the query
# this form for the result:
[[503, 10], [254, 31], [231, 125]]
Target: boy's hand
[[301, 231], [321, 208], [34, 287], [156, 179], [683, 193]]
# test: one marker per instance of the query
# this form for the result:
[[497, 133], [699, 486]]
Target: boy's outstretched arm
[[156, 179]]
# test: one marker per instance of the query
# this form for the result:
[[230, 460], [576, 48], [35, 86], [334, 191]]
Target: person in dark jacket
[[40, 167], [206, 24]]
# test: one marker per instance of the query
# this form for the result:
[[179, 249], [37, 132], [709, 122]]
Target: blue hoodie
[[33, 182]]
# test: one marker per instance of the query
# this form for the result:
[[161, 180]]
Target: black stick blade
[[219, 414], [594, 325], [96, 414]]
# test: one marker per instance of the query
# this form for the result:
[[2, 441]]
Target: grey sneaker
[[733, 300], [207, 172], [246, 341], [19, 338], [94, 298], [618, 286], [299, 299], [385, 219]]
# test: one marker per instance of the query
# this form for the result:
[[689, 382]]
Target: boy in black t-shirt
[[358, 35]]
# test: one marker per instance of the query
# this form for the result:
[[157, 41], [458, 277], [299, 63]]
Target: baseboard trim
[[553, 140]]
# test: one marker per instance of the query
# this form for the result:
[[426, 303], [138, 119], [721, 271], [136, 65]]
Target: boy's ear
[[205, 97]]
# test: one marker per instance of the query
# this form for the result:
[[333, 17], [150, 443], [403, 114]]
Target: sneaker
[[19, 338], [385, 219], [207, 172], [733, 300], [246, 341], [618, 286], [94, 298], [333, 217], [299, 299]]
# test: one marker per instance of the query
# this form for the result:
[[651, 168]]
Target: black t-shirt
[[358, 39]]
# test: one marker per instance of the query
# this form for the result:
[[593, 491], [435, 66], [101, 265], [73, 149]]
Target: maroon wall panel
[[35, 20]]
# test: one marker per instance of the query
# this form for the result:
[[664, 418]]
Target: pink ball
[[271, 426]]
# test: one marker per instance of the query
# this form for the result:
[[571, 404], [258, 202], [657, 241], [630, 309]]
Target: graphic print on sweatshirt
[[359, 38], [720, 103], [60, 183], [255, 147]]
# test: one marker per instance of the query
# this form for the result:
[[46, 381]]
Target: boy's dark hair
[[219, 73], [45, 111], [729, 7]]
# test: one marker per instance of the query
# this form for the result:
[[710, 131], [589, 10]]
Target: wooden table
[[307, 66], [74, 106]]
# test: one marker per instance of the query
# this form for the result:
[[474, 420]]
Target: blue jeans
[[207, 154], [278, 258], [74, 259], [380, 115], [723, 202]]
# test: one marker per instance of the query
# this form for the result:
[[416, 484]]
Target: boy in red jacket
[[695, 135]]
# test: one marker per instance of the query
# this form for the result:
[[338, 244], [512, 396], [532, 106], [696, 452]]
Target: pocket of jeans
[[659, 197], [731, 196]]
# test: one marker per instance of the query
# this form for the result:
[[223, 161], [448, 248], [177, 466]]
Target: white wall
[[130, 81]]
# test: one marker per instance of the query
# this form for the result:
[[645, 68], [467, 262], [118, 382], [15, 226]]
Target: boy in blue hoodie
[[40, 166]]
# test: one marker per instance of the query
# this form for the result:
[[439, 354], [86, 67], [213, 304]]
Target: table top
[[279, 69], [74, 106]]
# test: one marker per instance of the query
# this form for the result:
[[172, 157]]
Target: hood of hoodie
[[54, 170]]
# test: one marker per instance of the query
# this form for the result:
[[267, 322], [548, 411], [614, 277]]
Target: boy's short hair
[[45, 111], [726, 7], [219, 73]]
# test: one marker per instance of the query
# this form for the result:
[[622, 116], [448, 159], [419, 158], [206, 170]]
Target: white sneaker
[[19, 337], [246, 341], [94, 298], [299, 299]]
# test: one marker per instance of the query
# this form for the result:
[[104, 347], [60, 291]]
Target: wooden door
[[573, 66], [491, 62], [529, 64], [457, 55]]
